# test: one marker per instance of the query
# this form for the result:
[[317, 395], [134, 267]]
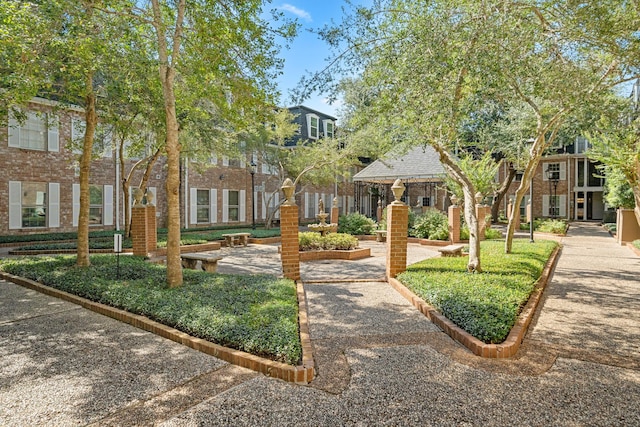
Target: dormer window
[[313, 123], [328, 128]]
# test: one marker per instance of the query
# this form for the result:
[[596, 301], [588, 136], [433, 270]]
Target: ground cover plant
[[636, 244], [485, 304], [257, 314], [311, 241]]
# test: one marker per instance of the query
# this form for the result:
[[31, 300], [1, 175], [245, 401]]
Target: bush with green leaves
[[356, 224], [310, 241], [410, 224], [611, 227], [555, 226], [492, 233], [253, 313], [636, 244], [432, 225], [486, 304]]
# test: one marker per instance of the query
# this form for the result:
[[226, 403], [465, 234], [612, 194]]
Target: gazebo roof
[[420, 164]]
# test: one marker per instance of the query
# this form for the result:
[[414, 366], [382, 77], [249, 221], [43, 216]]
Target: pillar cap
[[398, 189], [288, 189]]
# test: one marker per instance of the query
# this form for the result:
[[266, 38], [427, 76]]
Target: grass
[[487, 304], [553, 226], [256, 314]]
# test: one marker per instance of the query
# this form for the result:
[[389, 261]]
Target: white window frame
[[49, 128], [310, 128], [326, 124]]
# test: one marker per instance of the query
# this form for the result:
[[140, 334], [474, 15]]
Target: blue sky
[[307, 52]]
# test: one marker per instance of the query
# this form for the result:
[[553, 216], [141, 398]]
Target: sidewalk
[[379, 361]]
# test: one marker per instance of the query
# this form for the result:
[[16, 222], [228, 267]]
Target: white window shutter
[[213, 205], [225, 205], [15, 205], [53, 136], [193, 205], [545, 205], [78, 128], [254, 205], [563, 171], [214, 159], [14, 133], [563, 205], [324, 202], [544, 171], [54, 205], [243, 161], [277, 203], [306, 205], [107, 201], [242, 201], [155, 194], [264, 205], [349, 204], [75, 211], [225, 161]]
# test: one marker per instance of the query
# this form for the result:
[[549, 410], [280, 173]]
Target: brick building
[[39, 178]]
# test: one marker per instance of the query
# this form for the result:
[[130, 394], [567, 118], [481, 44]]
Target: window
[[552, 171], [595, 176], [312, 125], [426, 201], [554, 206], [328, 129], [518, 177], [582, 145], [38, 132], [203, 206], [102, 140], [581, 172], [234, 206], [96, 205], [34, 204]]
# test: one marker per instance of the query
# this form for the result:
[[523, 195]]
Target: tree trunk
[[470, 217], [85, 169], [147, 171], [498, 195]]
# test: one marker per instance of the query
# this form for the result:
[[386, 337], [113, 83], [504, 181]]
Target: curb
[[633, 248], [301, 374], [510, 346]]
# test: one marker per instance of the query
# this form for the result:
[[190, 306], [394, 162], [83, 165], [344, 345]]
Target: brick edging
[[505, 349], [301, 374], [633, 248], [351, 255]]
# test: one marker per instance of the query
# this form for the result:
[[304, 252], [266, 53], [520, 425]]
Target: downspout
[[186, 193], [118, 188], [569, 199]]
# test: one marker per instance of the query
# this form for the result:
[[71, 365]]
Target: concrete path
[[379, 361]]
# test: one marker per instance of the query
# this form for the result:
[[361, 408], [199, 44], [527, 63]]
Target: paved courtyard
[[379, 361]]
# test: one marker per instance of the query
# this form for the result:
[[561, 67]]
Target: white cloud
[[300, 13]]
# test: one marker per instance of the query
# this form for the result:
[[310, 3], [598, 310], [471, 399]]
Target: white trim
[[107, 205], [53, 214], [193, 205], [213, 205], [306, 204], [14, 132], [242, 205], [264, 205], [15, 205], [309, 127], [75, 210], [225, 205], [225, 161]]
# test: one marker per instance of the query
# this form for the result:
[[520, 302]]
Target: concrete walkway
[[379, 361]]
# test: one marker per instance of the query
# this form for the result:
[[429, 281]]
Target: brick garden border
[[503, 350], [301, 374], [350, 255], [633, 248]]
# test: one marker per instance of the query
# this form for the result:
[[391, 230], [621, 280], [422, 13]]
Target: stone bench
[[451, 250], [233, 239], [381, 235], [209, 263]]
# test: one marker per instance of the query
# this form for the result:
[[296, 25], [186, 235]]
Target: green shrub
[[253, 313], [432, 225], [356, 224], [636, 243], [555, 226], [492, 233], [486, 304], [410, 223], [310, 241], [612, 227]]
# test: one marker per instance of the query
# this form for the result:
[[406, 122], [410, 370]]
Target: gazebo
[[420, 171]]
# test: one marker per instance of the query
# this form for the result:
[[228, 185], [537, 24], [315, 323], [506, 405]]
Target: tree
[[218, 60]]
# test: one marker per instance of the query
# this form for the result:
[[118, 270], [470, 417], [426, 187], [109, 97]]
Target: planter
[[351, 255]]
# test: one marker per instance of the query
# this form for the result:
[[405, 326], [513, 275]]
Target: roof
[[420, 164]]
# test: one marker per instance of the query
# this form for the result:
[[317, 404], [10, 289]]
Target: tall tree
[[218, 60]]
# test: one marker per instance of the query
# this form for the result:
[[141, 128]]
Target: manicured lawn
[[486, 304], [257, 314]]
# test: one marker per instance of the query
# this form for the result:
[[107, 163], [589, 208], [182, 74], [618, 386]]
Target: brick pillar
[[454, 224], [290, 247], [481, 213], [397, 234], [139, 227], [335, 214], [152, 229], [627, 229]]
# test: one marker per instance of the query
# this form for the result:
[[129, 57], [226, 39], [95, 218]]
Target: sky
[[307, 52]]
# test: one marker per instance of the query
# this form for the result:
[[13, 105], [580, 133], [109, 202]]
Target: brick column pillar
[[139, 227], [290, 253], [152, 229], [335, 212], [454, 224], [397, 233]]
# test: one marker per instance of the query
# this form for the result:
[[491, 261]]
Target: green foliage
[[432, 225], [555, 226], [617, 190], [636, 244], [484, 304], [356, 224], [44, 237], [257, 314], [410, 223], [611, 227], [481, 172], [310, 241], [492, 234]]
